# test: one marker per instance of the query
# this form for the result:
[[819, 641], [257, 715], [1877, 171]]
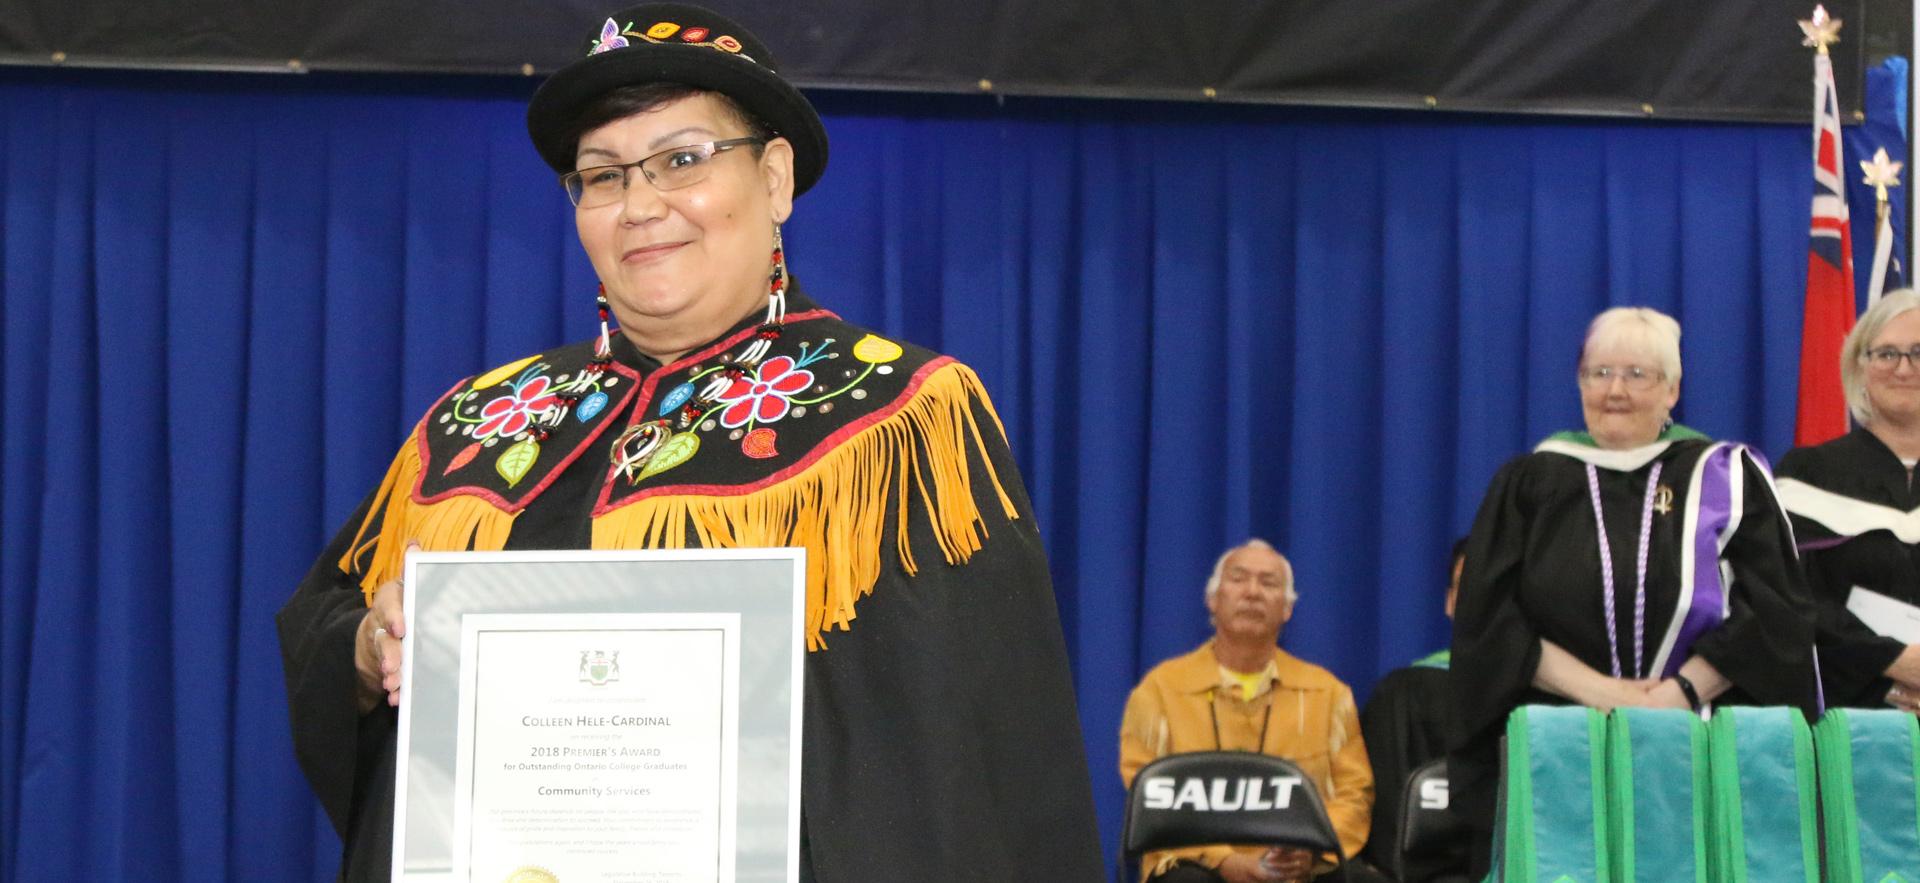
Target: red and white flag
[[1830, 304]]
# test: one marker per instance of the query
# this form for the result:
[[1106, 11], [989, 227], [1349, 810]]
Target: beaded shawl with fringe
[[836, 436]]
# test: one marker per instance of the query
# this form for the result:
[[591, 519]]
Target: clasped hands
[[1562, 674], [1280, 864], [1644, 693]]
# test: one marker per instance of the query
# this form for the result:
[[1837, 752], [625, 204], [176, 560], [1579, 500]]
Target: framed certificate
[[600, 716]]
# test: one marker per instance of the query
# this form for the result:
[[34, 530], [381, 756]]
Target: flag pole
[[1880, 173]]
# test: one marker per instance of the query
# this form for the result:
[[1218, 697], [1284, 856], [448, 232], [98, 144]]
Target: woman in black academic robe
[[1644, 611], [1856, 512]]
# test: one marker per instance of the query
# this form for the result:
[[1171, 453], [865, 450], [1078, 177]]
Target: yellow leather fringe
[[457, 523], [836, 508]]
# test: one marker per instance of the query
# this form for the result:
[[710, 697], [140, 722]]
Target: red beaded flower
[[510, 414], [763, 397]]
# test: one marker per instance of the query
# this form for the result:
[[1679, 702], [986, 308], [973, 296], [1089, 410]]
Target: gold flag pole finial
[[1880, 174], [1822, 30]]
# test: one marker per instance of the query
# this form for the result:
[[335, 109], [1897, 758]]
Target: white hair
[[1220, 567], [1642, 329], [1853, 354]]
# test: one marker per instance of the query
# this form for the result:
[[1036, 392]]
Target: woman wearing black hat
[[727, 409]]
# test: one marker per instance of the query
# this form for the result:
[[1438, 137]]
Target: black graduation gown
[[940, 738], [1405, 726], [1533, 572], [1847, 498]]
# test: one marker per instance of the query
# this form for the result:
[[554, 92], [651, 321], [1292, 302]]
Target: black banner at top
[[1710, 59]]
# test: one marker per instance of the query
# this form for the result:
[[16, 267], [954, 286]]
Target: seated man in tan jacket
[[1241, 692]]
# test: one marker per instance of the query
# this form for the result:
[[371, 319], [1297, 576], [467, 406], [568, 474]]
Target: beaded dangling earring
[[777, 282], [776, 305], [605, 349]]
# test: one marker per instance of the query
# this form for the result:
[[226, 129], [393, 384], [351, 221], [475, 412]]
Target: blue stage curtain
[[226, 299]]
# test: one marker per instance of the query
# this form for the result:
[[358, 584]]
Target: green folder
[[1762, 825], [1554, 806], [1659, 788], [1870, 795]]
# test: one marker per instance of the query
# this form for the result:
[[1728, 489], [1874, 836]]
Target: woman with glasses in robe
[[1856, 514], [1574, 590]]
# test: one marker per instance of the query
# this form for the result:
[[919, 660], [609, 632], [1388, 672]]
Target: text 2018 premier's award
[[597, 747], [600, 717]]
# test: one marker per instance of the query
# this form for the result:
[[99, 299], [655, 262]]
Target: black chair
[[1431, 837], [1224, 797]]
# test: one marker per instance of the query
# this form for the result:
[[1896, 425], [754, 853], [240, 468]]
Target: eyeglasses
[[1888, 358], [1635, 377], [670, 169]]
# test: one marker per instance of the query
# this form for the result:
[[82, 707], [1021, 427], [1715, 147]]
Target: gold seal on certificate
[[532, 875]]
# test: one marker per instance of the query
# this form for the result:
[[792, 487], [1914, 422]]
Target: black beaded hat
[[677, 43]]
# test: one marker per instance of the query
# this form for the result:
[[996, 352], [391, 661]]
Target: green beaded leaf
[[675, 451], [514, 462]]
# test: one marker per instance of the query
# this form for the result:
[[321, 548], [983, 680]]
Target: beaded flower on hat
[[613, 36]]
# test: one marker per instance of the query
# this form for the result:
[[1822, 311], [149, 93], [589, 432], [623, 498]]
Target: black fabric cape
[[1533, 572], [941, 740], [1405, 726], [1846, 536]]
